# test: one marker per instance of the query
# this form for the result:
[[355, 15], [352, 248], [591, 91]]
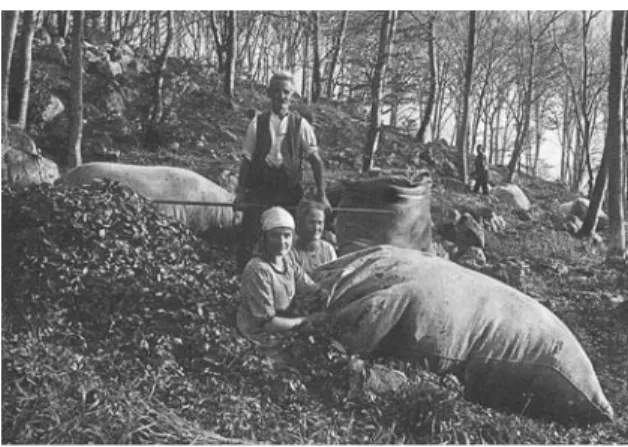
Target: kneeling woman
[[271, 280]]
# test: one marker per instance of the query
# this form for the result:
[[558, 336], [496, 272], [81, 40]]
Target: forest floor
[[229, 394]]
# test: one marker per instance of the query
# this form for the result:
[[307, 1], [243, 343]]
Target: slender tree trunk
[[76, 95], [63, 23], [152, 139], [614, 136], [231, 54], [337, 43], [427, 114], [462, 124], [386, 35], [537, 129], [109, 22], [306, 40], [26, 50], [524, 125], [316, 62], [219, 44], [565, 143], [9, 31]]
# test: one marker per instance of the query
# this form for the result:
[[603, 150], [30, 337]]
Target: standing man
[[276, 144], [481, 171]]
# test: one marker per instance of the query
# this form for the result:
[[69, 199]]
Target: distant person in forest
[[271, 173], [481, 171], [310, 249]]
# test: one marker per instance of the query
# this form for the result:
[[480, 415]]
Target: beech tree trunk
[[335, 55], [461, 137], [306, 41], [63, 23], [387, 32], [230, 65], [152, 138], [219, 44], [9, 31], [76, 94], [427, 114], [316, 62], [614, 136], [26, 56]]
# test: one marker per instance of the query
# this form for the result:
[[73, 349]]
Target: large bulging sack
[[166, 183], [407, 224], [505, 347]]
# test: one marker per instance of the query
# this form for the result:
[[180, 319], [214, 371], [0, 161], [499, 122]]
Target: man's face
[[280, 92]]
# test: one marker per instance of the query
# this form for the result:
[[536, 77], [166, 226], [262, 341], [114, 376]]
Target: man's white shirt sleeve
[[248, 147]]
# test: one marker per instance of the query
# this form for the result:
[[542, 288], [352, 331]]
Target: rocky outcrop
[[22, 163], [513, 196]]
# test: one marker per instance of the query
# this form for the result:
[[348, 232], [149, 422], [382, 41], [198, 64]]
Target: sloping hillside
[[134, 342]]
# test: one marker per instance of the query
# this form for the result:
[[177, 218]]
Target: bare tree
[[612, 147], [529, 94], [9, 31], [387, 32], [218, 40], [26, 50], [316, 57], [427, 114], [614, 132], [230, 63], [76, 95], [63, 23], [338, 38], [586, 96], [461, 137], [152, 139], [306, 40]]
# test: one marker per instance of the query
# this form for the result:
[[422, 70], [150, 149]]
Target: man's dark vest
[[260, 173]]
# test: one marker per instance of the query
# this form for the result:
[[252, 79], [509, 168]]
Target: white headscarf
[[277, 217]]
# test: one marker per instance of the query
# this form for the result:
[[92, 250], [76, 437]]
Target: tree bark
[[614, 134], [316, 57], [152, 139], [387, 32], [63, 23], [230, 65], [26, 58], [427, 114], [335, 55], [9, 31], [219, 44], [76, 95], [462, 125], [306, 41]]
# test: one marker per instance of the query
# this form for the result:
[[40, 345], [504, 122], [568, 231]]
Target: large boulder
[[167, 183], [22, 162], [513, 196], [54, 108], [21, 169], [579, 208]]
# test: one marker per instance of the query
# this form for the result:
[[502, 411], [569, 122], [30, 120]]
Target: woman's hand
[[313, 322]]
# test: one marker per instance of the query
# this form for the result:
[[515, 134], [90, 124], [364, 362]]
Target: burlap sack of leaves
[[508, 349], [408, 223], [166, 183]]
